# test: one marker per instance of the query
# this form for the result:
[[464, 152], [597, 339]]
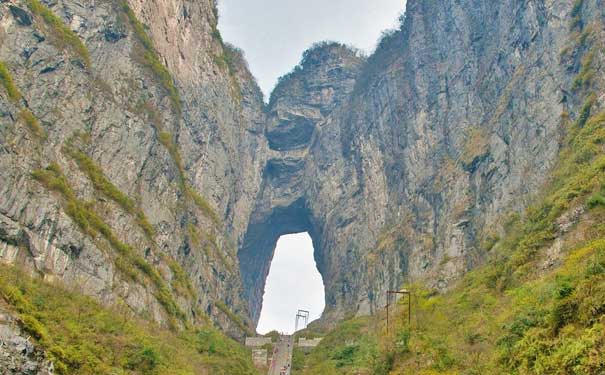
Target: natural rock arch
[[260, 242]]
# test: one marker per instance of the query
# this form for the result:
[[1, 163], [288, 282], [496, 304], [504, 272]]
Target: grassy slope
[[84, 337]]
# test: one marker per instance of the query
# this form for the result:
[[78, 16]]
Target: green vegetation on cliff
[[537, 307], [351, 348], [32, 123], [25, 115], [234, 318], [203, 205], [6, 79], [127, 260], [60, 34], [538, 304], [102, 184], [151, 58], [166, 140], [83, 337]]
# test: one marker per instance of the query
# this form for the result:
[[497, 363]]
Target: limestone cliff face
[[182, 148], [139, 163], [451, 125]]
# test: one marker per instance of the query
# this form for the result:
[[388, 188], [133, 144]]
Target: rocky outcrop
[[18, 355], [140, 164], [301, 102]]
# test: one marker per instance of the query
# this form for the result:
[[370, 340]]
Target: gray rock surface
[[451, 125], [18, 355], [400, 165], [115, 111]]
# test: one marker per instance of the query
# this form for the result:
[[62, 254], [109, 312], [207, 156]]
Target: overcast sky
[[293, 283], [274, 33]]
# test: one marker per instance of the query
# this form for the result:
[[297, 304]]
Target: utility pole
[[403, 292]]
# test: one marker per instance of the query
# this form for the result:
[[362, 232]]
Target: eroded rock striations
[[122, 178], [139, 163], [451, 125]]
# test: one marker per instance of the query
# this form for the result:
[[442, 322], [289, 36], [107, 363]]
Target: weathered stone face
[[119, 113], [418, 154], [399, 165], [299, 106]]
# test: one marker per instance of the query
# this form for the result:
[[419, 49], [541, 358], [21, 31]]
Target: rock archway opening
[[270, 224], [293, 283]]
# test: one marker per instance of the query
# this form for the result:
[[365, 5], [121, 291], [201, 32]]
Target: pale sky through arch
[[293, 283], [275, 33]]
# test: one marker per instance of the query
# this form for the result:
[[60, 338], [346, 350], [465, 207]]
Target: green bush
[[345, 356], [595, 268], [52, 178], [402, 341], [298, 359], [596, 200], [349, 348], [34, 327], [383, 363], [563, 313], [274, 335], [146, 360], [61, 34], [7, 82], [444, 359]]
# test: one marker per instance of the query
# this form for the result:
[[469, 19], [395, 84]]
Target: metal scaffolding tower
[[304, 315]]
